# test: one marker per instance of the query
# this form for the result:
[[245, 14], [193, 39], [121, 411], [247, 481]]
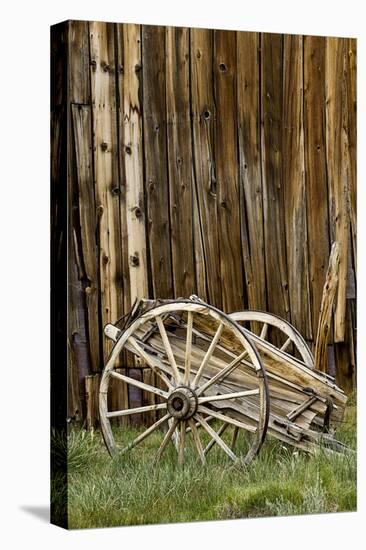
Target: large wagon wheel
[[209, 371], [291, 340]]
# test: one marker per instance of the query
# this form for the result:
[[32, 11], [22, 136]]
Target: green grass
[[131, 490]]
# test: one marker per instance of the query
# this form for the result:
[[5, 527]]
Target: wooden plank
[[204, 114], [337, 156], [273, 195], [155, 151], [135, 395], [248, 90], [118, 399], [59, 47], [126, 359], [198, 247], [78, 343], [180, 159], [345, 358], [82, 141], [79, 62], [293, 181], [83, 353], [133, 170], [133, 161], [103, 84], [77, 314], [65, 399], [92, 400], [316, 170], [226, 159], [351, 90], [325, 316], [119, 52]]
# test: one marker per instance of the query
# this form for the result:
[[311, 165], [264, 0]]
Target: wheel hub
[[182, 403]]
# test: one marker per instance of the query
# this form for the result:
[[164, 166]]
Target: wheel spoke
[[142, 353], [139, 384], [168, 348], [198, 425], [146, 433], [208, 355], [286, 344], [166, 439], [187, 361], [221, 374], [213, 441], [216, 437], [264, 331], [224, 396], [175, 436], [197, 440], [228, 419], [136, 410], [182, 442]]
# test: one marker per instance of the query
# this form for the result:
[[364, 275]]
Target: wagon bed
[[248, 371]]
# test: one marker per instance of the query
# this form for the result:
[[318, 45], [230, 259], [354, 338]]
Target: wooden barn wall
[[213, 162]]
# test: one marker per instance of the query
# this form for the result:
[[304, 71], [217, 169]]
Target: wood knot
[[93, 64], [106, 68], [198, 54], [206, 114], [128, 150], [138, 68], [224, 204], [121, 69], [138, 212], [105, 259], [222, 67], [116, 191], [104, 146], [134, 260]]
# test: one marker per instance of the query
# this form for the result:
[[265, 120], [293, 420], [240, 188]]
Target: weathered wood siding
[[220, 163]]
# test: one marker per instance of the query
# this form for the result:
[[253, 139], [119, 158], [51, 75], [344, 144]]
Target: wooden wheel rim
[[200, 309], [284, 326]]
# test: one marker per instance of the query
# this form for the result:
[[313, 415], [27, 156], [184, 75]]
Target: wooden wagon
[[249, 371]]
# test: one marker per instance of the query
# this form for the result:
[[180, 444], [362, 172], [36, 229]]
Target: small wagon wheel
[[209, 371], [290, 336]]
